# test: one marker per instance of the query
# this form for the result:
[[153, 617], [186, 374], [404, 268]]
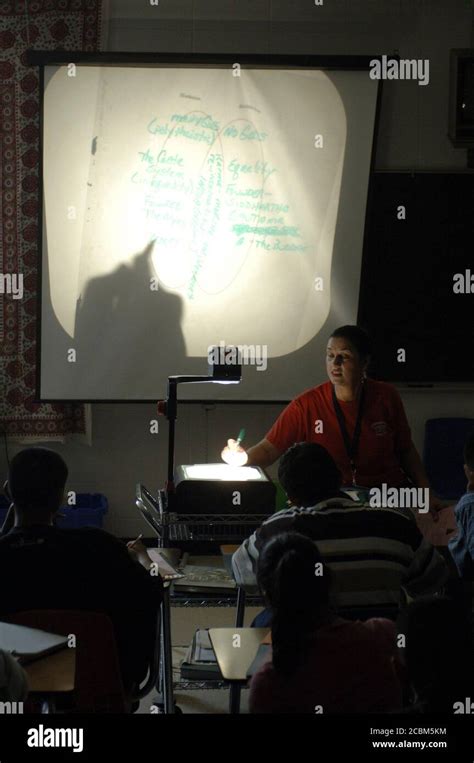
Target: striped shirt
[[372, 553]]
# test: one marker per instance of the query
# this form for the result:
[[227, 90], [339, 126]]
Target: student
[[372, 552], [436, 655], [45, 567], [13, 682], [462, 545], [320, 663]]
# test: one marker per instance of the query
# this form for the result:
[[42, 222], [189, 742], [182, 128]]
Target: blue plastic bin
[[88, 512]]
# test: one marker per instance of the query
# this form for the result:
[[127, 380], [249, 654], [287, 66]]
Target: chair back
[[98, 681], [443, 455]]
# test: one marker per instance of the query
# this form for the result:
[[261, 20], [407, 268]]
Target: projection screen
[[190, 206]]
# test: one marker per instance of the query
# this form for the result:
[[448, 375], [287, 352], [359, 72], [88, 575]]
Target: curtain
[[41, 25]]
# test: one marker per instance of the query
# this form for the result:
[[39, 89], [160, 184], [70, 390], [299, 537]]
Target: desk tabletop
[[234, 656], [54, 673], [229, 548]]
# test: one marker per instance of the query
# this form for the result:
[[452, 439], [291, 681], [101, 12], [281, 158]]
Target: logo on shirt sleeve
[[380, 428]]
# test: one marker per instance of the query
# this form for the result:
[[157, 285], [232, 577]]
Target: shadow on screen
[[128, 337]]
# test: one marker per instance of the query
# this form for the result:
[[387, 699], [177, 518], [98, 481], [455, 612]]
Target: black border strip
[[370, 205], [62, 57], [39, 264]]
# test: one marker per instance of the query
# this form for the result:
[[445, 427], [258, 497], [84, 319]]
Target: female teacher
[[361, 422]]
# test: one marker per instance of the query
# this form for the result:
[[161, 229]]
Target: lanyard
[[351, 446]]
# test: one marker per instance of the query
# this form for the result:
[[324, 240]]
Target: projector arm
[[169, 408], [222, 373]]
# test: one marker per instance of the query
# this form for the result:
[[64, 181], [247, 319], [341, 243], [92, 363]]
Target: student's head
[[469, 461], [348, 355], [308, 474], [296, 587], [36, 481], [436, 651]]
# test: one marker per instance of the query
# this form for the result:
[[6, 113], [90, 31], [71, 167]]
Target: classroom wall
[[123, 451], [413, 129]]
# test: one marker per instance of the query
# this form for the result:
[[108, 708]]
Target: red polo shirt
[[385, 432]]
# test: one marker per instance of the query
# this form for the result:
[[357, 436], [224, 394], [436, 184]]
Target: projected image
[[205, 208]]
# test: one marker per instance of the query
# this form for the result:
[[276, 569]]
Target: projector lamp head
[[224, 364]]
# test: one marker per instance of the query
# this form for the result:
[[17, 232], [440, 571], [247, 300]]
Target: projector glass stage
[[222, 472], [186, 207]]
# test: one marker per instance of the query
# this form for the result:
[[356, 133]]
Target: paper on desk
[[165, 569], [26, 643], [438, 533]]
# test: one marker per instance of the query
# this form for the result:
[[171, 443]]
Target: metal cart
[[171, 527]]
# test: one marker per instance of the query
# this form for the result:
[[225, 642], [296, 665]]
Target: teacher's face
[[343, 363]]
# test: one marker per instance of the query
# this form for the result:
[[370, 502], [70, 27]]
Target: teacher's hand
[[234, 454]]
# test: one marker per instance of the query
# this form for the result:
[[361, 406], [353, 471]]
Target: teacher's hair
[[296, 585], [357, 336]]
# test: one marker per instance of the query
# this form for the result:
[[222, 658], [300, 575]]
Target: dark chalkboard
[[407, 298]]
